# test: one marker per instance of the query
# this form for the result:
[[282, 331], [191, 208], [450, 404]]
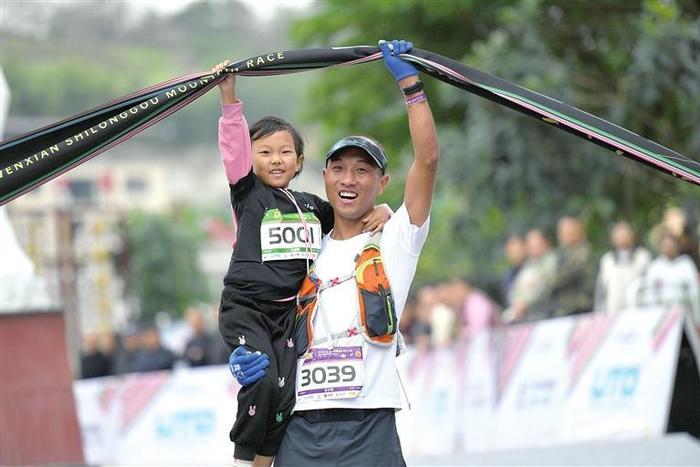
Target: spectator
[[93, 362], [672, 278], [111, 345], [531, 290], [421, 330], [203, 348], [676, 222], [619, 268], [688, 245], [475, 310], [516, 254], [409, 319], [443, 325], [152, 356], [127, 346], [574, 281]]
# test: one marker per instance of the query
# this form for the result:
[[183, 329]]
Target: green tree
[[163, 262], [634, 63]]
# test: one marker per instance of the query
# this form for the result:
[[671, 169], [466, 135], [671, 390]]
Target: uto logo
[[185, 424], [616, 384]]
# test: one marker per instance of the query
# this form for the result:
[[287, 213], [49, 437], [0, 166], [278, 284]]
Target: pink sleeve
[[234, 142]]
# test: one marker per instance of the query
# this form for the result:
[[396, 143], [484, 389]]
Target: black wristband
[[412, 89]]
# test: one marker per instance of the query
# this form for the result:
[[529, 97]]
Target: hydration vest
[[377, 318]]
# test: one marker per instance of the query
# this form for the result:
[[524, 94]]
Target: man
[[532, 286], [516, 254], [203, 348], [574, 282], [93, 362], [152, 356], [358, 427], [127, 346], [619, 268]]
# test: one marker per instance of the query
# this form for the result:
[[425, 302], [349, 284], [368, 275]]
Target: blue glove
[[397, 66], [247, 367]]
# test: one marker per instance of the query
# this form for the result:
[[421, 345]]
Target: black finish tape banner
[[32, 159]]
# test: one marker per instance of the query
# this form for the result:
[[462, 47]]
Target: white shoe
[[242, 463]]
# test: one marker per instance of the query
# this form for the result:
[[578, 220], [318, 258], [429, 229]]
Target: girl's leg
[[256, 404], [286, 358], [240, 324]]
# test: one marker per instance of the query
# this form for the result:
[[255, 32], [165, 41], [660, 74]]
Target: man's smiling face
[[353, 182]]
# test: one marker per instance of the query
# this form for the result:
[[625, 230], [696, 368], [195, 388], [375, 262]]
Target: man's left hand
[[397, 66]]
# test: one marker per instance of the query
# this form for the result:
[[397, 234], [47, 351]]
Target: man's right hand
[[246, 366], [227, 86]]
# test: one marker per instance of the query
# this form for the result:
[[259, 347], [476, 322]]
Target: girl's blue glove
[[247, 367], [397, 66]]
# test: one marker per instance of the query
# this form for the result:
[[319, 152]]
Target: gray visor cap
[[370, 146]]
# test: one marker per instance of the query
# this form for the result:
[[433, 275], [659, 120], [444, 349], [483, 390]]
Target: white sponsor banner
[[160, 418], [560, 381], [565, 380], [626, 390], [532, 385]]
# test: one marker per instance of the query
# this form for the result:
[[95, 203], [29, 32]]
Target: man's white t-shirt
[[400, 246]]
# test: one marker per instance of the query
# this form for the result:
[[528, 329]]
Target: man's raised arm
[[420, 180]]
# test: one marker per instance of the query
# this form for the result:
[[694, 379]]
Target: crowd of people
[[140, 349], [544, 281]]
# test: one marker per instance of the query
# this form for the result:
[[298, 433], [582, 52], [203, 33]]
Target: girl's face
[[275, 161]]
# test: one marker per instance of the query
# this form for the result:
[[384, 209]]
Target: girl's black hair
[[269, 125]]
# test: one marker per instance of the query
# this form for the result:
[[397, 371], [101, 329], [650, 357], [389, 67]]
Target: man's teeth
[[348, 195]]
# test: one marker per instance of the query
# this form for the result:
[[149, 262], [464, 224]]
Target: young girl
[[278, 235]]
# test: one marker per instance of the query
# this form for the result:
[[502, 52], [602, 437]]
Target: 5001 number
[[289, 235]]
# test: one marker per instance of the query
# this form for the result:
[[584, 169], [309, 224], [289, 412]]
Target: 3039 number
[[330, 374]]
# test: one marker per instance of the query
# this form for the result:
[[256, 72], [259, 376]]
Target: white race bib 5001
[[284, 236]]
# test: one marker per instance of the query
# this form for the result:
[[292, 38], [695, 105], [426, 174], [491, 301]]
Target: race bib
[[283, 236], [336, 373]]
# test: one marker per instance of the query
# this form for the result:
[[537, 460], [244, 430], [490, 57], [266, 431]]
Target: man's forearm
[[420, 180], [422, 127]]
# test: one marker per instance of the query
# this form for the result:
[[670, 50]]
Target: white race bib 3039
[[284, 236], [336, 373]]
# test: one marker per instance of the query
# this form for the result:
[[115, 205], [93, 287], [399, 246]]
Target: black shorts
[[341, 438]]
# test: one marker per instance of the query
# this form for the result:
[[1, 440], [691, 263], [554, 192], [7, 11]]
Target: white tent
[[20, 288]]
